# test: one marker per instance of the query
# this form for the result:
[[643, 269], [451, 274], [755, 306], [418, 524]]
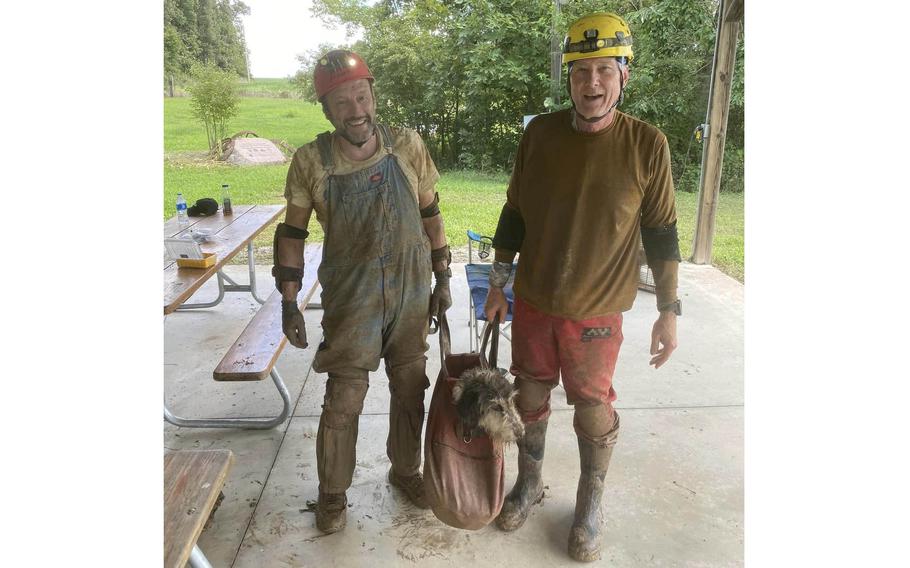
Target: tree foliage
[[214, 101], [464, 72], [207, 32]]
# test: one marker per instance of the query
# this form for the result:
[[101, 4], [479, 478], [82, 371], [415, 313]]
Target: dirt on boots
[[412, 486], [331, 512], [586, 534], [528, 488]]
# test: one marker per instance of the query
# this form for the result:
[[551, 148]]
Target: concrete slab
[[674, 493]]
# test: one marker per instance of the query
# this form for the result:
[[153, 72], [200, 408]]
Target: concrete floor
[[674, 492]]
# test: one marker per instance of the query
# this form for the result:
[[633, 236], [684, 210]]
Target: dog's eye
[[497, 407]]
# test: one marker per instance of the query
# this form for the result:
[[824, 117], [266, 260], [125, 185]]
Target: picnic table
[[230, 233], [255, 352]]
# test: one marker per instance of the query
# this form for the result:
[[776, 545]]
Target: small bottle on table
[[226, 199], [183, 219]]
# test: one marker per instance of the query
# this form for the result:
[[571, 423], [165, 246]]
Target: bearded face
[[351, 109]]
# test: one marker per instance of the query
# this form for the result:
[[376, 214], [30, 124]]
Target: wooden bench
[[192, 482], [252, 357]]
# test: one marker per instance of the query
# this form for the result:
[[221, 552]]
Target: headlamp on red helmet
[[336, 68]]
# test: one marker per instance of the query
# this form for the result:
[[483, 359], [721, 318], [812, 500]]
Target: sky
[[278, 30]]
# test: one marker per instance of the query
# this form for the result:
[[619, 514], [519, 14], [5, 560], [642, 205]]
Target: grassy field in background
[[281, 88], [293, 120], [468, 200]]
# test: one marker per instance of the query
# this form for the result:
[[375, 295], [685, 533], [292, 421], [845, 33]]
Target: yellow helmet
[[602, 34]]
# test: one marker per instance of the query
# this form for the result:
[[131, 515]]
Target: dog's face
[[485, 399]]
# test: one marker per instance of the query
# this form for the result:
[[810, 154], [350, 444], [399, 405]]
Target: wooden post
[[171, 84], [728, 23]]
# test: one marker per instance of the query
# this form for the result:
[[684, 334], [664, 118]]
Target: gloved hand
[[441, 300], [292, 324]]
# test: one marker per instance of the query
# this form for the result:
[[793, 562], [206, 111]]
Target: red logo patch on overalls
[[376, 178]]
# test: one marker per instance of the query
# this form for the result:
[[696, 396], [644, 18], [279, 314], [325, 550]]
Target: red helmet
[[336, 67]]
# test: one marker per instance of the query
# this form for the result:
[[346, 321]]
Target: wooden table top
[[230, 234], [192, 481]]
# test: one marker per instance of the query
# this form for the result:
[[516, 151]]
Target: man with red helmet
[[373, 190], [589, 184]]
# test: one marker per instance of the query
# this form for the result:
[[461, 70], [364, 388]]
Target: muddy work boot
[[528, 488], [585, 536], [331, 512], [412, 486]]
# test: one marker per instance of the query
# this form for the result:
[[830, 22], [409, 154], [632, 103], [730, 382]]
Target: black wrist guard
[[441, 254], [287, 274], [661, 243], [431, 210], [510, 231]]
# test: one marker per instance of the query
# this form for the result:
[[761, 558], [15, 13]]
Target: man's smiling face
[[595, 84]]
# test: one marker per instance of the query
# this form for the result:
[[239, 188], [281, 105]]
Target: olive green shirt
[[584, 198]]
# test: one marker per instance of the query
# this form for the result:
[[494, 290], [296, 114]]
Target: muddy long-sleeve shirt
[[584, 198]]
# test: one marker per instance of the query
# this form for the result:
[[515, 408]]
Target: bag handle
[[488, 330], [445, 341]]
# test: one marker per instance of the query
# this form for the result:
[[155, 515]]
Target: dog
[[485, 403]]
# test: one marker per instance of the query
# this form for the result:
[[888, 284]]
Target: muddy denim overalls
[[375, 275]]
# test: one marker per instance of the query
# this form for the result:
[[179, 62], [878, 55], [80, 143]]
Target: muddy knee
[[408, 382], [533, 400], [343, 400], [597, 423]]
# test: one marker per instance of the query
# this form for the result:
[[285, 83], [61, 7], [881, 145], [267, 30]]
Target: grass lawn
[[281, 88], [468, 200]]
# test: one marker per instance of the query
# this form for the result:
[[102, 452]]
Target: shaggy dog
[[485, 402]]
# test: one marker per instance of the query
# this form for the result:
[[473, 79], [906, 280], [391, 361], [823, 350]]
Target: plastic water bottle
[[226, 199], [183, 219]]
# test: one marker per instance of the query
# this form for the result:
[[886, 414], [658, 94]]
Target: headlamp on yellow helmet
[[597, 35]]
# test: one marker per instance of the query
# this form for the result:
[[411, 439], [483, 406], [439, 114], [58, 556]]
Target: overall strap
[[385, 134], [324, 144]]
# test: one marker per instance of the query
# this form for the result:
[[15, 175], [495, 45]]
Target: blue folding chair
[[478, 275]]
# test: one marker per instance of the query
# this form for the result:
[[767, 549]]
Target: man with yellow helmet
[[587, 184]]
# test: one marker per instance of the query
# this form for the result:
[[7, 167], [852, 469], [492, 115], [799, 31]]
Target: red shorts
[[584, 352]]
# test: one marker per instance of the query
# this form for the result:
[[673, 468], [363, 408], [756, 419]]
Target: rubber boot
[[585, 536], [528, 488], [331, 512]]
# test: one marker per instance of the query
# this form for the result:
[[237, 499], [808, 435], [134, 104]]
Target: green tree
[[214, 101], [463, 72], [204, 31]]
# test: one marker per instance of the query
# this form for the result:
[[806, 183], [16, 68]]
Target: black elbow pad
[[510, 232], [661, 243], [432, 209]]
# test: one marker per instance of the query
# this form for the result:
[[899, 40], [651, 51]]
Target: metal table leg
[[221, 290], [231, 286], [251, 423], [197, 559]]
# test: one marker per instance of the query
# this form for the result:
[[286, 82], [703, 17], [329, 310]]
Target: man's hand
[[496, 304], [441, 300], [664, 333], [292, 324]]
